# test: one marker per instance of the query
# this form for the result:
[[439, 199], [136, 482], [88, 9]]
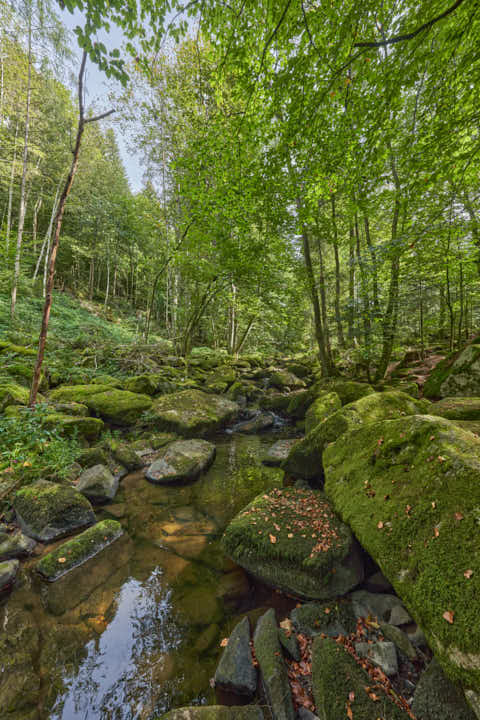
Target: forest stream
[[138, 629]]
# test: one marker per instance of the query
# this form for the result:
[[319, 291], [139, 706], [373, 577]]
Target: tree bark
[[338, 318], [82, 121]]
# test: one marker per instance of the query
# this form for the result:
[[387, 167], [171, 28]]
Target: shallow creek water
[[137, 630]]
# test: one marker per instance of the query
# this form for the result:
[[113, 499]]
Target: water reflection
[[118, 678]]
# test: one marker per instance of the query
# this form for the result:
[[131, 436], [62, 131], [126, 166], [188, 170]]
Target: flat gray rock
[[261, 421], [184, 460], [98, 484], [236, 672]]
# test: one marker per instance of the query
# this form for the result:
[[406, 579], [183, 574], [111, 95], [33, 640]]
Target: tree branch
[[99, 117], [409, 36]]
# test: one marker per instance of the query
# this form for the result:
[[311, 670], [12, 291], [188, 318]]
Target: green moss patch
[[410, 491], [46, 511], [457, 408], [76, 393], [305, 459], [320, 409], [77, 551], [192, 412], [293, 540], [13, 394], [68, 425], [348, 390], [120, 407], [339, 684]]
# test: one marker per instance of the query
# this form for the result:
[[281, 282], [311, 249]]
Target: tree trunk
[[58, 226], [351, 287], [23, 187], [10, 190], [338, 318], [373, 257], [36, 210]]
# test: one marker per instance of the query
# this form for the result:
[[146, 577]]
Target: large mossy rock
[[120, 407], [339, 683], [193, 413], [15, 545], [89, 428], [77, 551], [305, 459], [456, 375], [410, 491], [184, 461], [457, 408], [215, 712], [46, 511], [320, 409], [273, 670], [291, 539], [76, 393], [283, 379], [348, 390], [12, 394]]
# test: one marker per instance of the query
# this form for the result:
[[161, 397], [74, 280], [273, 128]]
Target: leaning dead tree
[[82, 122]]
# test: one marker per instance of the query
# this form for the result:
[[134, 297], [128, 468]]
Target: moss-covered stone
[[276, 401], [184, 460], [299, 402], [282, 379], [215, 712], [348, 390], [273, 671], [119, 407], [438, 698], [279, 452], [98, 484], [193, 413], [71, 408], [12, 349], [456, 375], [235, 671], [143, 384], [77, 551], [76, 393], [409, 490], [13, 394], [125, 455], [291, 539], [46, 511], [457, 408], [339, 682], [330, 618], [320, 409], [305, 459], [92, 456], [86, 427], [15, 545]]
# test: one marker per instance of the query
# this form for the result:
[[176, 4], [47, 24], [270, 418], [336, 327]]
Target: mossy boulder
[[8, 573], [282, 379], [279, 452], [149, 384], [77, 551], [457, 408], [119, 407], [273, 670], [76, 393], [13, 394], [46, 511], [299, 402], [348, 390], [215, 712], [410, 491], [125, 455], [13, 349], [339, 683], [98, 484], [193, 413], [89, 428], [184, 460], [15, 545], [70, 408], [291, 539], [320, 409], [305, 459], [456, 375]]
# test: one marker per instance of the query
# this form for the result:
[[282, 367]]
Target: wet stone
[[98, 484], [279, 452], [8, 573], [289, 643], [382, 654], [15, 545], [236, 672], [268, 652], [184, 461]]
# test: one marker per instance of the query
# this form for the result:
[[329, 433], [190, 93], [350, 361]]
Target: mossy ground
[[409, 489]]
